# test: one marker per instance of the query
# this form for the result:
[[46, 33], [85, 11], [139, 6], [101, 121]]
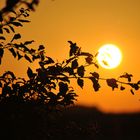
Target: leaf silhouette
[[73, 48], [135, 86], [7, 30], [95, 74], [95, 83], [6, 89], [80, 82], [2, 38], [0, 84], [1, 52], [30, 73], [127, 76], [13, 52], [19, 55], [16, 36], [16, 24], [41, 47], [81, 71], [49, 61], [1, 18], [1, 31], [132, 91], [122, 88], [27, 58], [63, 88], [89, 60], [69, 70], [112, 83], [74, 64], [12, 29], [23, 20], [28, 42]]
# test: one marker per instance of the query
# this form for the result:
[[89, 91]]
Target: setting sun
[[109, 56]]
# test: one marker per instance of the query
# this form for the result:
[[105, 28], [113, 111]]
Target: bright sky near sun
[[91, 24]]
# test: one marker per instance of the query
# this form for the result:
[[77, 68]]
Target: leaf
[[122, 88], [96, 65], [12, 19], [16, 36], [81, 71], [28, 42], [19, 55], [41, 47], [6, 90], [86, 54], [69, 70], [95, 83], [1, 31], [7, 30], [89, 60], [112, 83], [13, 52], [74, 64], [0, 84], [28, 58], [135, 86], [1, 52], [10, 4], [30, 73], [127, 76], [2, 38], [69, 98], [73, 48], [63, 88], [65, 79], [1, 18], [49, 61], [80, 82], [23, 20], [95, 74], [24, 48], [16, 24], [12, 29], [132, 91], [138, 82]]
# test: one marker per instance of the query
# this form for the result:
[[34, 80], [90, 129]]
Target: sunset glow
[[109, 56], [91, 24]]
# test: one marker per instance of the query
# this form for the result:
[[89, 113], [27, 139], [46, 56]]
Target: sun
[[109, 56]]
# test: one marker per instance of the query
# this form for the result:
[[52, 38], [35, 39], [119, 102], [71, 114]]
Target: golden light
[[109, 56]]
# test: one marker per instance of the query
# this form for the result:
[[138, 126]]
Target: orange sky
[[90, 23]]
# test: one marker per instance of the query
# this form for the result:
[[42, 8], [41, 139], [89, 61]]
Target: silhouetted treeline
[[28, 122]]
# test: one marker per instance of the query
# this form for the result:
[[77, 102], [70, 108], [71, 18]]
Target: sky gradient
[[89, 23]]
